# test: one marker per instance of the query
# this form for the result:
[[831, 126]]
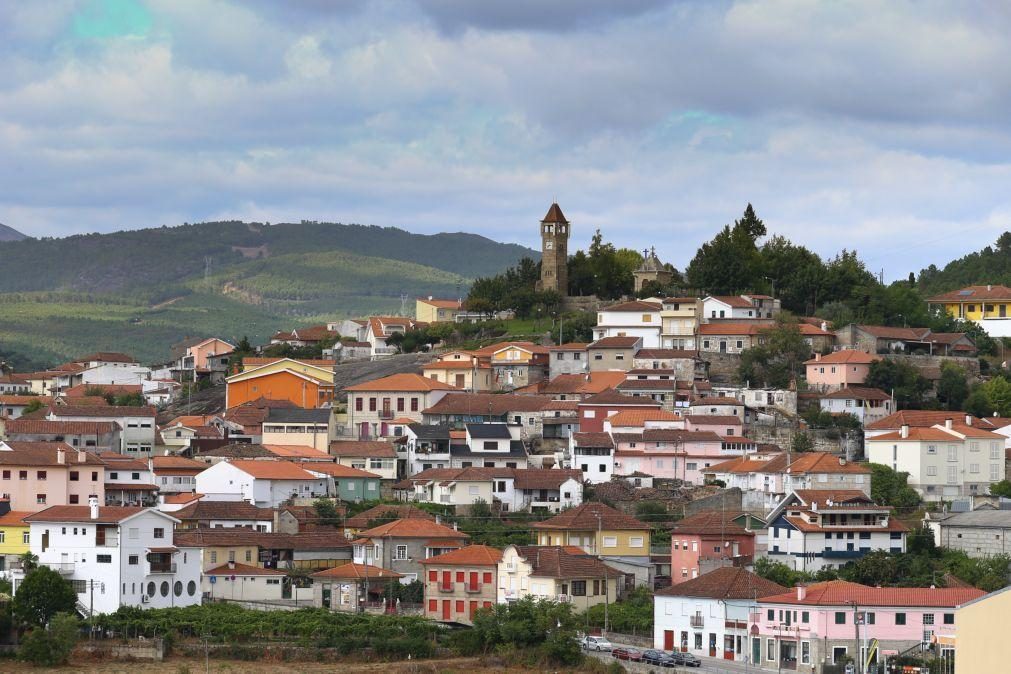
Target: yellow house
[[980, 629], [598, 529], [557, 573], [462, 369], [220, 546], [13, 537], [975, 303], [433, 310]]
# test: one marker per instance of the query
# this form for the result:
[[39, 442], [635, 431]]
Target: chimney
[[824, 326], [968, 420], [904, 431], [61, 455], [81, 456], [801, 592], [947, 423], [455, 528], [429, 298], [989, 287], [231, 565], [842, 461], [93, 507], [438, 519], [817, 356]]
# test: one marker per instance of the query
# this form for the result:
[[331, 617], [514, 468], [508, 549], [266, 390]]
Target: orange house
[[303, 389]]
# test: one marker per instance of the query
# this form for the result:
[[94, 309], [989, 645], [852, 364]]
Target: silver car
[[596, 644]]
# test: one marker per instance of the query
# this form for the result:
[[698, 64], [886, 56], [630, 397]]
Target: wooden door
[[668, 640], [446, 604]]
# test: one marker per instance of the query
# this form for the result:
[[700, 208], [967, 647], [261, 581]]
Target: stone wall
[[135, 649], [589, 303], [722, 366], [976, 542], [730, 500], [970, 365], [824, 439]]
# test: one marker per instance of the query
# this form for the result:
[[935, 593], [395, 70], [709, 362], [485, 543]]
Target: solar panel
[[965, 293]]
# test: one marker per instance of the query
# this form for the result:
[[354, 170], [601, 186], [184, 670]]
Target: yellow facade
[[512, 355], [620, 543], [975, 311], [981, 630], [216, 555], [436, 311], [13, 541]]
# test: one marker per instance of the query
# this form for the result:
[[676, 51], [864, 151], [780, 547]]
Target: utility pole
[[599, 542]]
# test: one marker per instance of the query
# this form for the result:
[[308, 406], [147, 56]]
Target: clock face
[[548, 245]]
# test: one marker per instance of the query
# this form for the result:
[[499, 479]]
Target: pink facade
[[839, 369], [691, 551], [668, 453], [36, 485], [592, 417], [212, 347]]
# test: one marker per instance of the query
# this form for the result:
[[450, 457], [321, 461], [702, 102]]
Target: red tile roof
[[367, 448], [272, 470], [823, 462], [974, 294], [733, 300], [296, 451], [857, 393], [472, 555], [666, 354], [167, 464], [403, 382], [487, 403], [615, 398], [592, 515], [337, 470], [82, 513], [843, 593], [237, 569], [848, 356], [387, 511], [413, 528], [615, 343], [550, 561], [356, 572], [114, 389], [637, 306], [14, 518], [46, 454], [109, 411], [921, 418], [46, 427], [724, 583], [711, 522], [441, 304], [593, 440], [749, 464]]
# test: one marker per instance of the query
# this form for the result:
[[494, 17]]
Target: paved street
[[709, 665]]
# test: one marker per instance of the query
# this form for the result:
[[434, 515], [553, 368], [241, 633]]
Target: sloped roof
[[727, 582], [223, 510], [889, 332], [846, 356], [337, 470], [587, 383], [638, 418], [163, 463], [472, 555], [486, 403], [367, 448], [843, 593], [592, 515], [112, 411], [732, 300], [614, 343], [402, 382], [354, 571], [823, 496], [106, 357], [237, 569], [637, 306], [45, 454], [749, 464], [440, 304], [545, 478], [47, 427], [413, 527], [974, 294], [823, 462], [397, 510], [593, 440], [82, 513], [714, 419], [921, 418], [857, 393], [272, 470], [555, 214], [666, 354], [712, 522], [549, 561], [612, 397]]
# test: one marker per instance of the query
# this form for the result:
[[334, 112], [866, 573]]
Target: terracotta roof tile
[[848, 356], [550, 561], [413, 528], [472, 555], [974, 294], [387, 511], [356, 572], [615, 342], [46, 427], [237, 569], [487, 403], [402, 382], [724, 583], [272, 470], [82, 513], [367, 448], [110, 411], [823, 462], [45, 454], [842, 593], [589, 516]]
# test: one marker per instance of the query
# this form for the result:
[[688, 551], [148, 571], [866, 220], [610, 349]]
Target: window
[[103, 559], [133, 560], [805, 652], [94, 476], [7, 474], [401, 552], [113, 476], [22, 474], [249, 555], [805, 617], [579, 588], [26, 538], [994, 450], [80, 586], [214, 556], [840, 617], [40, 475], [932, 470], [635, 542], [949, 618], [770, 615], [358, 404], [900, 618], [931, 449], [994, 472], [159, 532], [974, 468], [610, 541], [952, 452], [770, 648], [928, 618], [40, 499], [3, 536]]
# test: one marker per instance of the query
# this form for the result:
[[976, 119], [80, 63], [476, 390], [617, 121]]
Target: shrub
[[53, 646]]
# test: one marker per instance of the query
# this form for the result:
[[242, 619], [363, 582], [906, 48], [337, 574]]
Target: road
[[709, 665]]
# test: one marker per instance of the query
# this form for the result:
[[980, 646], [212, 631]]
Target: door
[[712, 644], [326, 596], [723, 347], [756, 651], [473, 581], [460, 381], [447, 579], [446, 604], [668, 640], [363, 431], [473, 607], [387, 412]]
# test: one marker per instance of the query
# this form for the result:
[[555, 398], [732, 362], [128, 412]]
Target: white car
[[596, 644]]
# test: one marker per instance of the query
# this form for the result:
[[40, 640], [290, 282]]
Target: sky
[[881, 126]]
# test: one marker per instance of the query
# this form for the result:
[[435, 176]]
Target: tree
[[902, 378], [779, 357], [952, 389], [778, 572], [795, 273], [801, 443], [33, 406], [730, 262], [326, 513], [991, 397], [1002, 488], [42, 594], [889, 487], [52, 646], [547, 626], [244, 346]]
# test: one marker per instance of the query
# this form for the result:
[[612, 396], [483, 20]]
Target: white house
[[116, 373], [490, 446], [943, 461], [593, 455], [639, 318], [708, 615], [137, 424], [738, 307], [115, 556], [866, 404], [128, 481], [233, 581], [815, 529], [265, 484]]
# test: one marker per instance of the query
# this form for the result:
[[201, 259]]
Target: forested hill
[[170, 255], [992, 265], [10, 234]]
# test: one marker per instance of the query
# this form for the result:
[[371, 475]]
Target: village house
[[884, 339], [658, 385], [515, 364], [978, 533], [943, 461], [312, 550], [838, 369], [129, 551], [302, 337], [306, 385], [382, 513], [833, 622], [556, 573], [93, 436], [196, 359], [866, 404], [297, 426], [613, 353], [594, 410], [575, 386], [456, 409], [570, 358], [672, 453], [986, 305], [433, 310], [736, 307], [350, 587], [374, 405], [593, 455], [128, 481], [708, 616], [379, 329], [266, 484], [680, 317], [402, 545], [137, 424], [14, 536], [815, 529], [638, 318], [618, 539], [710, 540], [345, 483], [375, 456], [760, 476], [459, 582], [36, 475], [462, 369], [234, 581], [175, 474], [686, 365], [199, 513]]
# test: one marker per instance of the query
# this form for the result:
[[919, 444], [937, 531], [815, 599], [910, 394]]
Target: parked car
[[630, 654], [655, 657], [686, 659], [596, 644]]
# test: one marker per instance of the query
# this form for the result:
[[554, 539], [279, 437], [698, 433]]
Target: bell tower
[[554, 252]]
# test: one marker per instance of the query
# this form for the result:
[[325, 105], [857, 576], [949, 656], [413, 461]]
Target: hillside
[[10, 234], [140, 291], [990, 265]]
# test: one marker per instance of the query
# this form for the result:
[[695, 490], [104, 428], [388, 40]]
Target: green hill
[[140, 291], [992, 265]]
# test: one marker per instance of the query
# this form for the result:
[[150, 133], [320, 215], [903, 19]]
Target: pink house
[[721, 424], [839, 369], [671, 453], [710, 540], [36, 475], [822, 623], [596, 409]]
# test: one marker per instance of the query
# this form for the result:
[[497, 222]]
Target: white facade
[[116, 373], [596, 463], [137, 434], [942, 462], [120, 561], [641, 322], [225, 481], [699, 624]]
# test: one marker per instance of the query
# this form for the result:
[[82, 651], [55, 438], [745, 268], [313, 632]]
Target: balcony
[[472, 589], [843, 554], [697, 621], [445, 588], [385, 414], [161, 567]]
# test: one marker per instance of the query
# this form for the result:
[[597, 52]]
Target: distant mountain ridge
[[10, 234]]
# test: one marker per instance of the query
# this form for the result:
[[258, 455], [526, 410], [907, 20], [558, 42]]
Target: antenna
[[403, 304]]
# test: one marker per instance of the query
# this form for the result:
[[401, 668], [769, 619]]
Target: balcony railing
[[445, 588], [385, 414], [697, 621], [160, 567], [473, 589], [843, 554]]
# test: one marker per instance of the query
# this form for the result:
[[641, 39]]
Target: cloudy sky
[[881, 126]]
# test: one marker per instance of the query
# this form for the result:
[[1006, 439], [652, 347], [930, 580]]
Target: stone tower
[[554, 252]]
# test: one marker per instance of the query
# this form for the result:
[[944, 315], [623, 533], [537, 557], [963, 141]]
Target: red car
[[630, 654]]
